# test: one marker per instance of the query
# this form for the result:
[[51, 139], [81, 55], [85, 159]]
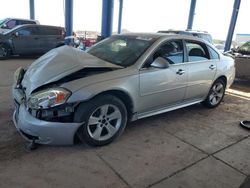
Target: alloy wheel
[[3, 51], [216, 94], [104, 122]]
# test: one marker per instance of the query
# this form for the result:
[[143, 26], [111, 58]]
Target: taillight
[[62, 33]]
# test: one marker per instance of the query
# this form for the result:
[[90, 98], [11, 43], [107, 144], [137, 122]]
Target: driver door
[[162, 87], [25, 41]]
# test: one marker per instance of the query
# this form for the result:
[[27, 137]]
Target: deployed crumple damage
[[59, 63]]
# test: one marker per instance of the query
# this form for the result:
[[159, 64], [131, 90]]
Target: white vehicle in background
[[9, 23]]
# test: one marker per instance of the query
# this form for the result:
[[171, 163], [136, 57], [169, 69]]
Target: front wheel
[[4, 52], [104, 117], [215, 94]]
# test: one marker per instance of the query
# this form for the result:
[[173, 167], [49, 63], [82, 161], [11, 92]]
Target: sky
[[138, 15]]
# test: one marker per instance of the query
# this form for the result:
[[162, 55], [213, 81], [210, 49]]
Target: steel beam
[[120, 17], [68, 21], [191, 14], [107, 17], [232, 25], [32, 9]]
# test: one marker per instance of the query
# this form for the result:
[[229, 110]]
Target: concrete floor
[[189, 148]]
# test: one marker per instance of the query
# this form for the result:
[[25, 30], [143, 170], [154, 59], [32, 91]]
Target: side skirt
[[163, 110]]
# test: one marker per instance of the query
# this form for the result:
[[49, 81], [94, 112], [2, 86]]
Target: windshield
[[121, 50]]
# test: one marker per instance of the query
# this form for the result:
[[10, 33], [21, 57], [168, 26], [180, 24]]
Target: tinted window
[[11, 24], [121, 50], [171, 51], [197, 51], [26, 32], [213, 53]]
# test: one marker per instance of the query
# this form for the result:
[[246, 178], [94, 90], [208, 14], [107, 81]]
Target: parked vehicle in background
[[242, 38], [92, 95], [10, 23], [30, 40], [243, 50], [242, 61], [86, 42], [200, 34]]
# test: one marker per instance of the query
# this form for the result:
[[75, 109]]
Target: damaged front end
[[42, 111], [48, 102]]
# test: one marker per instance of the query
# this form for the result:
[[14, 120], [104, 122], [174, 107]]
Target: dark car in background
[[30, 39], [242, 61], [200, 34], [10, 23]]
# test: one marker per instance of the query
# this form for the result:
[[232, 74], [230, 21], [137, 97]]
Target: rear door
[[50, 37], [201, 70]]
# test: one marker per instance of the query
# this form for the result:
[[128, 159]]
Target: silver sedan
[[68, 94]]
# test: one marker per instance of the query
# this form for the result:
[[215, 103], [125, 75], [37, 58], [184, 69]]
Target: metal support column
[[32, 9], [191, 14], [120, 17], [107, 17], [232, 25], [68, 21]]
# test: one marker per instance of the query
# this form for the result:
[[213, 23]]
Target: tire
[[216, 94], [104, 119], [4, 52]]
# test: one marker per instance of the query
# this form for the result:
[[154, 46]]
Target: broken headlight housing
[[48, 98]]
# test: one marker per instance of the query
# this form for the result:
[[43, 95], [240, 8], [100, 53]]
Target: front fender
[[128, 85]]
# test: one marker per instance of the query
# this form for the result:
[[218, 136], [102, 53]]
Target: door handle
[[212, 67], [180, 72]]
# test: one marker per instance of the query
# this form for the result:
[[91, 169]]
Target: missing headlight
[[62, 114]]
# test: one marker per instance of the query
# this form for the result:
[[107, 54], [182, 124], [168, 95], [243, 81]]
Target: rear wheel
[[104, 118], [4, 51], [215, 94]]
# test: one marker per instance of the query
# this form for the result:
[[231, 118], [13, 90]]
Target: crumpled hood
[[57, 64]]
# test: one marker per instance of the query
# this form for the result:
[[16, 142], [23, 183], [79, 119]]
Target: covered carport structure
[[107, 18], [191, 147]]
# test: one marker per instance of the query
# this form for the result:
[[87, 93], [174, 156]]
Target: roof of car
[[34, 25], [20, 19], [164, 35], [183, 31]]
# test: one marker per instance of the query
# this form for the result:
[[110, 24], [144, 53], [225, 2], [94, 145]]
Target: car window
[[171, 51], [11, 24], [213, 53], [196, 51], [121, 50], [26, 32]]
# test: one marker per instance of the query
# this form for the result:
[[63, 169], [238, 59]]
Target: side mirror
[[16, 34], [160, 63], [4, 26]]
